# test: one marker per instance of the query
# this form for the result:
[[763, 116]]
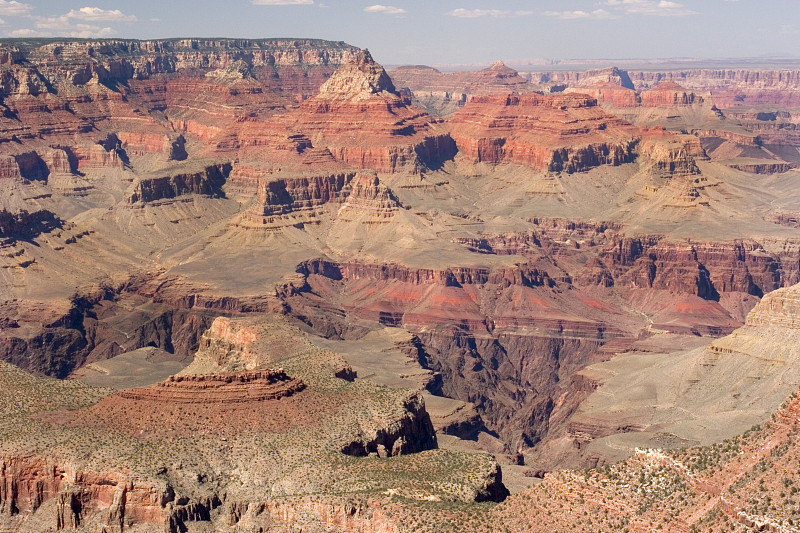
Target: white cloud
[[494, 13], [282, 2], [389, 10], [579, 14], [85, 22], [52, 23], [14, 9], [659, 8], [25, 32], [95, 13], [64, 26], [86, 31]]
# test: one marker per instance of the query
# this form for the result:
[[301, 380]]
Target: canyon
[[255, 285]]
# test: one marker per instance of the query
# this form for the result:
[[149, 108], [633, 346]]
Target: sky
[[440, 32]]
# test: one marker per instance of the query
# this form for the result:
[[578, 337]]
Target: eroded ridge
[[233, 387]]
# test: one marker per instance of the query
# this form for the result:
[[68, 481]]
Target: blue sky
[[441, 31]]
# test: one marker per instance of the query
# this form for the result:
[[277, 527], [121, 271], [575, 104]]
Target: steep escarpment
[[442, 94], [206, 182], [732, 87], [362, 120], [73, 499], [479, 327], [567, 133], [534, 325]]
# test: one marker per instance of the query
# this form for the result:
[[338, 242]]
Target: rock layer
[[567, 133]]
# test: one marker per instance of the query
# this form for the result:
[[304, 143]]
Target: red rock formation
[[672, 155], [368, 194], [233, 387], [27, 483], [361, 119], [497, 78], [667, 94], [730, 267], [97, 156], [220, 404], [69, 88], [554, 133], [732, 88], [608, 94]]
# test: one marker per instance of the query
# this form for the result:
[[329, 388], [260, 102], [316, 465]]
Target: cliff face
[[293, 201], [359, 116], [122, 60], [732, 87], [729, 88], [119, 86], [547, 133], [206, 182], [71, 497], [667, 94], [442, 94], [479, 327], [711, 268]]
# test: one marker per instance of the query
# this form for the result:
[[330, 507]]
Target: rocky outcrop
[[368, 195], [671, 155], [412, 433], [207, 182], [563, 133], [442, 94], [231, 387], [72, 496], [362, 120], [608, 94], [668, 94]]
